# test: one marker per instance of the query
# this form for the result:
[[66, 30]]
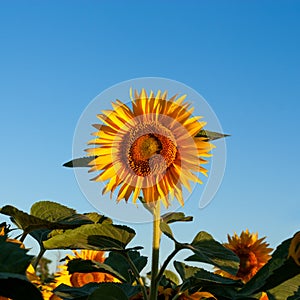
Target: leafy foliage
[[56, 226]]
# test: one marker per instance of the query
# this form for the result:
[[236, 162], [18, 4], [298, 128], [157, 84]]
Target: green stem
[[155, 251], [137, 275], [165, 264], [36, 262]]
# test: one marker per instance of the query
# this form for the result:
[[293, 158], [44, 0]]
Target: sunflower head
[[252, 252], [79, 279], [149, 147]]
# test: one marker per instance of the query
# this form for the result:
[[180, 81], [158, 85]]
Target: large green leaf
[[51, 211], [285, 289], [119, 262], [104, 237], [67, 292], [207, 250], [173, 217], [197, 278], [13, 259], [17, 287], [53, 219], [88, 266], [202, 276], [108, 291], [23, 220]]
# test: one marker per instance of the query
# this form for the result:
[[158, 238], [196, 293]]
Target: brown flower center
[[248, 264], [151, 153]]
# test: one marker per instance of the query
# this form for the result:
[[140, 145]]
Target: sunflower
[[149, 147], [252, 252], [294, 250], [78, 279]]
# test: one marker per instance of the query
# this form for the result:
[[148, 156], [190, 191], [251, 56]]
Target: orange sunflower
[[77, 279], [252, 252], [149, 147]]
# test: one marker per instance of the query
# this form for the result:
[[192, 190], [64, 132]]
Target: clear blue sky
[[241, 56]]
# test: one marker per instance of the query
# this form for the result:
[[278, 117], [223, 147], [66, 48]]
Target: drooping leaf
[[88, 266], [166, 229], [120, 263], [197, 278], [29, 222], [81, 162], [23, 220], [106, 237], [13, 259], [108, 291], [208, 250], [210, 135], [173, 217], [16, 286]]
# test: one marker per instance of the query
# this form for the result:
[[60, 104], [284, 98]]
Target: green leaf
[[106, 237], [53, 218], [88, 266], [51, 211], [23, 220], [120, 263], [173, 217], [68, 292], [171, 276], [185, 271], [210, 135], [97, 218], [207, 250], [285, 289], [166, 229], [296, 295], [197, 278], [16, 286], [81, 162], [13, 259], [108, 291]]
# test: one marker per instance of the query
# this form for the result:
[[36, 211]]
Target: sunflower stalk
[[166, 263], [155, 251], [38, 258]]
